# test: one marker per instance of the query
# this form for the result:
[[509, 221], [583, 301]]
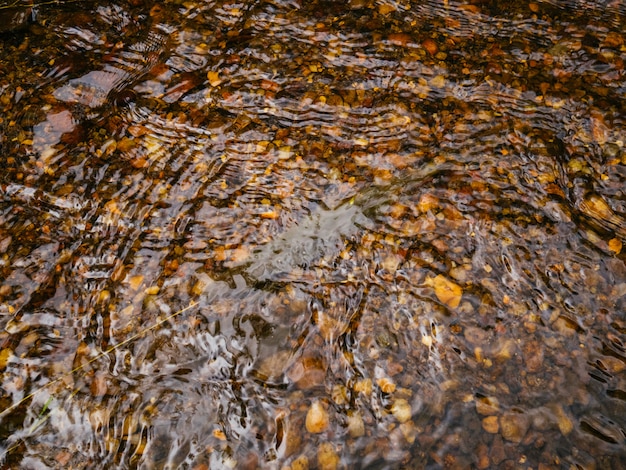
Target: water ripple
[[286, 234]]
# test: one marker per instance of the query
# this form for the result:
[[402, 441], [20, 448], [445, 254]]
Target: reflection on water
[[316, 234]]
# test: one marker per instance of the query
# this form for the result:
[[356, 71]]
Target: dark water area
[[313, 234]]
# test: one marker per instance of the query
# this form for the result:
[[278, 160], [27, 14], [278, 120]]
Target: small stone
[[448, 385], [391, 263], [446, 291], [126, 144], [496, 453], [469, 8], [393, 368], [152, 290], [273, 366], [270, 85], [562, 419], [301, 463], [506, 349], [240, 255], [490, 424], [399, 39], [479, 354], [99, 385], [541, 418], [513, 426], [330, 327], [356, 427], [5, 354], [427, 202], [385, 9], [63, 458], [476, 336], [135, 282], [214, 78], [139, 162], [219, 434], [386, 385], [438, 81], [327, 457], [482, 452], [339, 394], [596, 207], [401, 410], [317, 418], [292, 436], [269, 214], [430, 46], [614, 39], [615, 245], [363, 386], [307, 372], [533, 356]]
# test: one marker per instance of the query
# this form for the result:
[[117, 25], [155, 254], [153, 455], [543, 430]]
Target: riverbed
[[288, 235]]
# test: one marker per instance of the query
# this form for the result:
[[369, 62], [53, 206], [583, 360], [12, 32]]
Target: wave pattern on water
[[369, 234]]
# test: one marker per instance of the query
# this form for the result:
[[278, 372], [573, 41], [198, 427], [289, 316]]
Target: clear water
[[293, 234]]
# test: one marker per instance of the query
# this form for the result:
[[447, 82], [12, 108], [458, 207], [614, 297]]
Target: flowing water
[[313, 234]]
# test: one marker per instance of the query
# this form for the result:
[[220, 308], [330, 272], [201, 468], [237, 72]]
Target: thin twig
[[18, 3], [94, 359]]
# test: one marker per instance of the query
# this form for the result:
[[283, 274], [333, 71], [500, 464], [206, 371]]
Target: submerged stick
[[94, 359], [17, 4]]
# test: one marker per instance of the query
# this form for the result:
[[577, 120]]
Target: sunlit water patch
[[312, 235]]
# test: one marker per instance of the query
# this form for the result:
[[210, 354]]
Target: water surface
[[318, 234]]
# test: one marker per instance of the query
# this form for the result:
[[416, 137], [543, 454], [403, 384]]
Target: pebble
[[301, 463], [317, 418], [533, 356], [476, 336], [399, 39], [513, 426], [496, 453], [490, 424], [385, 9], [135, 282], [363, 386], [446, 291], [506, 349], [487, 406], [562, 419], [401, 410], [5, 354], [483, 457], [386, 385], [438, 81], [356, 427], [430, 46], [99, 385], [307, 372], [327, 458]]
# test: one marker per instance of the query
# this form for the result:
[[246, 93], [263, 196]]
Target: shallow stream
[[313, 234]]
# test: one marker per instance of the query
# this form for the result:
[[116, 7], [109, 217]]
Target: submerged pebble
[[317, 419]]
